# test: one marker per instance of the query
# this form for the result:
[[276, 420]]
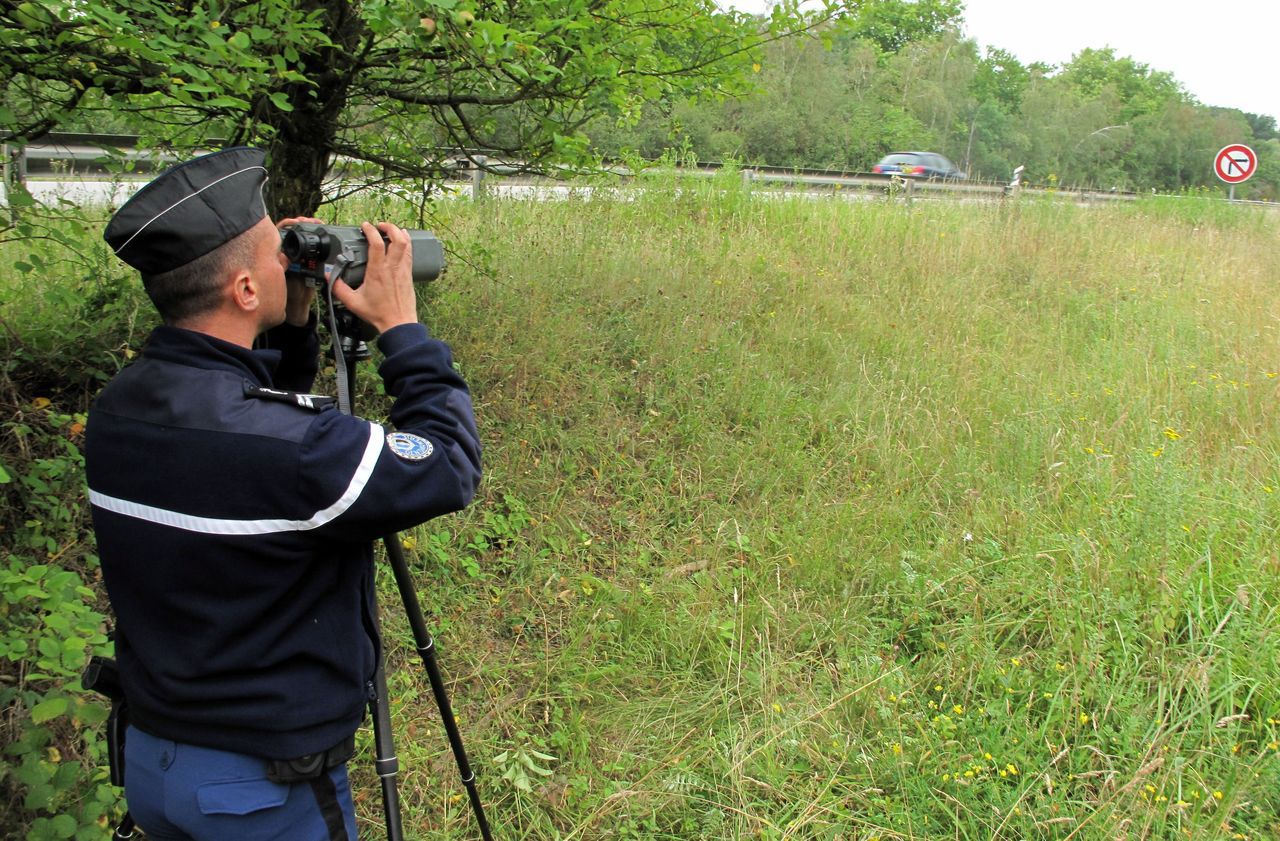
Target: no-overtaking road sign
[[1235, 163]]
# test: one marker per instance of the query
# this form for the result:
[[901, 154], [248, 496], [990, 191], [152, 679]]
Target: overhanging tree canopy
[[400, 84]]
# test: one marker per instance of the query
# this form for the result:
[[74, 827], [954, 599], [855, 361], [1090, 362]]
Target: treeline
[[836, 88], [855, 89]]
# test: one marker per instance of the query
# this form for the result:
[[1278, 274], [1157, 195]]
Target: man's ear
[[244, 291]]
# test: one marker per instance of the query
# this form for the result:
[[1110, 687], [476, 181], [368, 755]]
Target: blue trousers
[[181, 792]]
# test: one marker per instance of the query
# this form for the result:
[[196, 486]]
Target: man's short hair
[[194, 288]]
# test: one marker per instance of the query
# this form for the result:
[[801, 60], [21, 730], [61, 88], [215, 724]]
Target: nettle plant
[[69, 317], [54, 754]]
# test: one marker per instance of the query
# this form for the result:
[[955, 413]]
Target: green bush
[[68, 319]]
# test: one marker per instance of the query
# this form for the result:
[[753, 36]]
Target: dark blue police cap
[[190, 210]]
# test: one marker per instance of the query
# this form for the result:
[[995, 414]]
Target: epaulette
[[314, 402]]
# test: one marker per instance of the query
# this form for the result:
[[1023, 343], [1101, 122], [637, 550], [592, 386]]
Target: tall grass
[[849, 520], [854, 520]]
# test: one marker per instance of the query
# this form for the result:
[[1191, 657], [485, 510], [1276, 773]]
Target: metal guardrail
[[72, 156]]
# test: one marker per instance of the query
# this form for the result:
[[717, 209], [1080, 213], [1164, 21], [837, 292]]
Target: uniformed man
[[235, 522]]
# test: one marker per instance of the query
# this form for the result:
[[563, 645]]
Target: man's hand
[[297, 309], [386, 299]]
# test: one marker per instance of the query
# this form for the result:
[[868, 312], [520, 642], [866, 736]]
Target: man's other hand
[[386, 299]]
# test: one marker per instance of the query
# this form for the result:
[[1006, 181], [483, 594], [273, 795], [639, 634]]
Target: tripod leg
[[386, 763], [427, 651]]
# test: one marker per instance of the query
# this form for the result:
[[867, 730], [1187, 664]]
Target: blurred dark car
[[917, 165]]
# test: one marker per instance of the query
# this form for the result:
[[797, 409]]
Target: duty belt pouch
[[312, 765], [103, 676]]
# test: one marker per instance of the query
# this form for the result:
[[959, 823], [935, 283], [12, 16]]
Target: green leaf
[[49, 709], [67, 776], [92, 714], [32, 773], [227, 102], [20, 197], [39, 796], [64, 826]]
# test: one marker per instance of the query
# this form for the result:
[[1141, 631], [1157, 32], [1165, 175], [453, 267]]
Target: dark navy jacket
[[235, 528]]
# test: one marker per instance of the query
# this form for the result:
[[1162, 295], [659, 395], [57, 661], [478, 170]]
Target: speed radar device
[[316, 252]]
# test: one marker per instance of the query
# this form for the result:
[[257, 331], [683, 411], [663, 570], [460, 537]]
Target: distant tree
[[996, 90], [892, 24], [815, 99], [1000, 79], [1068, 138], [933, 80], [836, 98], [992, 148], [1262, 126], [1266, 184], [1173, 148], [1094, 73], [804, 102]]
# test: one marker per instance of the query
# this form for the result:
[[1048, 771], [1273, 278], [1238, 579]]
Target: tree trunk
[[301, 147]]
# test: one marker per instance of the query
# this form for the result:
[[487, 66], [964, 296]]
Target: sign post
[[1234, 164]]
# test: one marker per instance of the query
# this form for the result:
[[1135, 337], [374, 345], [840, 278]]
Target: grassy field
[[852, 520]]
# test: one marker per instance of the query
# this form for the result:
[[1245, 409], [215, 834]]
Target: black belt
[[312, 765]]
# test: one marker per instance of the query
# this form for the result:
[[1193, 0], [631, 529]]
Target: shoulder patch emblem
[[408, 446]]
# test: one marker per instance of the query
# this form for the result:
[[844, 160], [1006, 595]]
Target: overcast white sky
[[1224, 52]]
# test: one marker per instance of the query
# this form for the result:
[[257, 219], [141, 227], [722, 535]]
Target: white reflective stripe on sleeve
[[211, 525]]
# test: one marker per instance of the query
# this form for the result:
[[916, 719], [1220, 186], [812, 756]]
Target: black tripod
[[348, 350]]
